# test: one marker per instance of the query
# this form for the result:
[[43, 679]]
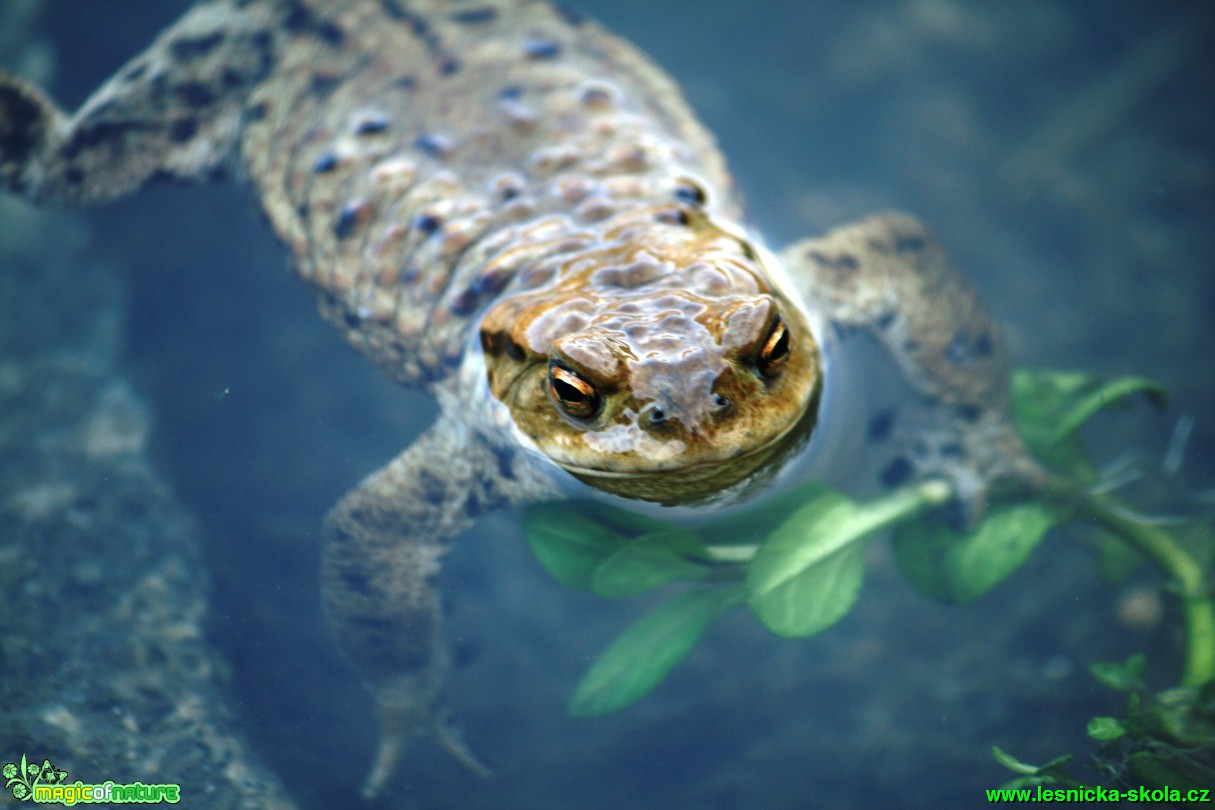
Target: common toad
[[506, 205]]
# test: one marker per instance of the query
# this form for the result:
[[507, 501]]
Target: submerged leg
[[888, 275], [173, 111], [384, 543]]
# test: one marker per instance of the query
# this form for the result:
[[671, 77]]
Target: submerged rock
[[107, 671]]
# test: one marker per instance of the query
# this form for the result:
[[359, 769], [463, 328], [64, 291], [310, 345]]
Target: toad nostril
[[657, 416], [721, 402]]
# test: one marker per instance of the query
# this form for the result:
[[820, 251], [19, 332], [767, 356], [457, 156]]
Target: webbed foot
[[413, 709]]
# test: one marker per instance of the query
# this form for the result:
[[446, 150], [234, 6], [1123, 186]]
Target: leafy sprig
[[798, 564]]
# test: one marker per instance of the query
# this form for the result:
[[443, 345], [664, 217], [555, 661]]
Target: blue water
[[1064, 159]]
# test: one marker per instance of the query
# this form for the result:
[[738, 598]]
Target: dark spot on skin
[[298, 19], [195, 94], [263, 43], [183, 129], [844, 261], [962, 350], [952, 450], [427, 223], [475, 16], [673, 216], [885, 321], [394, 10], [541, 49], [324, 83], [465, 303], [690, 193], [406, 82], [433, 488], [73, 176], [448, 65], [880, 426], [372, 126], [511, 93], [218, 174], [301, 209], [20, 126], [301, 20], [491, 283], [331, 33], [969, 413], [232, 78], [434, 145], [256, 113], [327, 162], [352, 321], [95, 134], [186, 48], [897, 472], [909, 244], [346, 221], [748, 250], [411, 275]]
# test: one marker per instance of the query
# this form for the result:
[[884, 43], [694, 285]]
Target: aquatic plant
[[806, 574]]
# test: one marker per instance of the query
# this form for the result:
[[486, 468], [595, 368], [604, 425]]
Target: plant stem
[[1164, 550], [1195, 592], [894, 507]]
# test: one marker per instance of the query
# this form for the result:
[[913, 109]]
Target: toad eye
[[775, 352], [577, 396]]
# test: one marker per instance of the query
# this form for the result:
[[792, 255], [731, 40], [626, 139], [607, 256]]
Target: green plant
[[798, 566]]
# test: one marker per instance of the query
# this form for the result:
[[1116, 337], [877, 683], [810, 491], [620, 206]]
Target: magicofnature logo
[[46, 784]]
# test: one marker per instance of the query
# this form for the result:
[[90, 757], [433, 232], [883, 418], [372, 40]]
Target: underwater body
[[257, 445]]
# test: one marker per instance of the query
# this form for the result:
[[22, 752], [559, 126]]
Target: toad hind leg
[[384, 543], [889, 276], [174, 111]]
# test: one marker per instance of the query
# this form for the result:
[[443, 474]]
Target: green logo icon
[[46, 784], [23, 778]]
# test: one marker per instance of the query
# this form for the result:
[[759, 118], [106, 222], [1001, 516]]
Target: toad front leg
[[888, 275], [384, 543]]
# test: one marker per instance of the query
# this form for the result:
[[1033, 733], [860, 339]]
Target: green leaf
[[1156, 771], [815, 599], [1122, 677], [1051, 773], [753, 525], [641, 657], [568, 542], [1105, 729], [808, 574], [1012, 763], [943, 563], [1051, 406], [1106, 394], [648, 562]]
